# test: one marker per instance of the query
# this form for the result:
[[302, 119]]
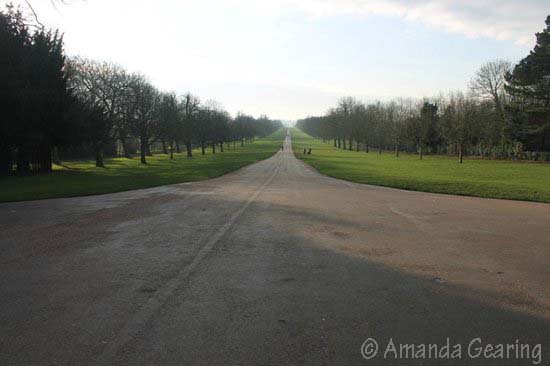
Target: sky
[[290, 59]]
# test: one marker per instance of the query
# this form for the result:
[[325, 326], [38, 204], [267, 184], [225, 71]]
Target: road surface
[[274, 264]]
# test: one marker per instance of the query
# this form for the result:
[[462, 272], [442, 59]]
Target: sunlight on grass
[[78, 178], [441, 174]]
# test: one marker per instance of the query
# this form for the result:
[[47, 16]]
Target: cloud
[[515, 21], [510, 20]]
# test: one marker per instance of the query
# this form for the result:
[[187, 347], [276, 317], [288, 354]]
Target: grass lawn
[[80, 178], [440, 174]]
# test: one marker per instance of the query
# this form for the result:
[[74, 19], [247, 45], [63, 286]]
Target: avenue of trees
[[505, 114], [56, 106]]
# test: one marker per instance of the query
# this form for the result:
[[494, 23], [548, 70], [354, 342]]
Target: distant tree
[[222, 132], [213, 123], [142, 107], [203, 127], [244, 127], [489, 83], [344, 113], [190, 105], [379, 123], [401, 110], [421, 128], [360, 127], [170, 122], [102, 86], [96, 127], [459, 118]]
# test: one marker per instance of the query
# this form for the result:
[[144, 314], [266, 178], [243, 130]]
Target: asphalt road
[[274, 264]]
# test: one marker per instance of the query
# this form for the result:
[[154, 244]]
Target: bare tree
[[217, 123], [142, 107], [459, 120], [170, 119], [398, 113], [190, 106], [489, 82], [35, 14], [102, 84]]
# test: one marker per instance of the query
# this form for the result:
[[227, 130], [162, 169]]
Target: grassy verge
[[439, 174], [80, 178]]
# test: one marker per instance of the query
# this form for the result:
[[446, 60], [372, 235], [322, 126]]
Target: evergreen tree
[[529, 86]]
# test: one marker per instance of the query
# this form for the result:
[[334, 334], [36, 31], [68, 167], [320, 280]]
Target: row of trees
[[505, 114], [123, 106], [52, 104]]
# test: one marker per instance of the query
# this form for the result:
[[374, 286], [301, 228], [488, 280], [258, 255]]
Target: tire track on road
[[146, 312]]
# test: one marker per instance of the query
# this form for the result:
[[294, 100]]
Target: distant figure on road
[[309, 151], [304, 150], [282, 148]]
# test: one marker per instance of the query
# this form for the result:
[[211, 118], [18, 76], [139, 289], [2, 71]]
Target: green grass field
[[80, 178], [440, 174]]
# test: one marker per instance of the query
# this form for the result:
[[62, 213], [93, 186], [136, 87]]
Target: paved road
[[272, 265]]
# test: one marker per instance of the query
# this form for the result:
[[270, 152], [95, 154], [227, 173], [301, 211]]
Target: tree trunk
[[397, 149], [178, 149], [379, 149], [242, 142], [5, 161], [41, 158], [421, 156], [171, 152], [350, 148], [55, 156], [189, 149], [459, 153], [366, 147], [339, 143], [344, 144], [335, 143], [23, 161], [143, 149], [98, 156], [221, 146], [125, 148], [164, 149], [203, 147], [358, 146], [213, 147]]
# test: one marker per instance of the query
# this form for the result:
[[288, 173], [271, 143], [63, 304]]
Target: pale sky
[[293, 58]]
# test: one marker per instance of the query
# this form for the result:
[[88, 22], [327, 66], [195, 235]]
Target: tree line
[[504, 114], [54, 105]]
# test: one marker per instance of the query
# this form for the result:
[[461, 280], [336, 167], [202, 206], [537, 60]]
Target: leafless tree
[[398, 113], [489, 81], [35, 14], [142, 112], [190, 106], [103, 84], [459, 120], [170, 119]]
